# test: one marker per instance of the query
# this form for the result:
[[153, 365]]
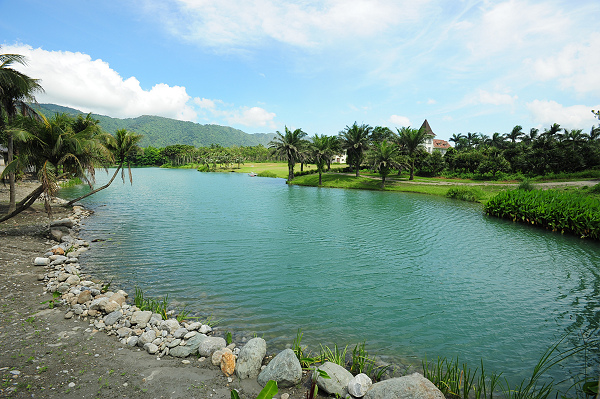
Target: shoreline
[[142, 370]]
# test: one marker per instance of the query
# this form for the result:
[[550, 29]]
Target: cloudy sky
[[258, 65]]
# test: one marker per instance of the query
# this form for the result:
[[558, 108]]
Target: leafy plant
[[315, 373], [54, 301], [267, 392], [562, 211], [303, 356], [228, 338]]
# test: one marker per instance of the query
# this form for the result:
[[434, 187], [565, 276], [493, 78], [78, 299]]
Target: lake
[[413, 275]]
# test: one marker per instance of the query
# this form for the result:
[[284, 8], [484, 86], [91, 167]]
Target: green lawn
[[368, 183]]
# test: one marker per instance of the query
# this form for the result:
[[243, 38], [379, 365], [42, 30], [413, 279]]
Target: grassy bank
[[430, 186]]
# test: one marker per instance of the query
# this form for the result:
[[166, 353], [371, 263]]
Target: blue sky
[[258, 65]]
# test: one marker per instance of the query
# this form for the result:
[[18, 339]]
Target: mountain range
[[161, 132]]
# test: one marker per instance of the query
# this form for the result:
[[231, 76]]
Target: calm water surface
[[413, 275]]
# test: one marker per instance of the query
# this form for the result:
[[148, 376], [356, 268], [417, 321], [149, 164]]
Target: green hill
[[162, 132]]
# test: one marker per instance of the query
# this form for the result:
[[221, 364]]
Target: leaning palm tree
[[384, 157], [16, 90], [60, 152], [355, 140], [288, 146], [410, 140], [121, 145]]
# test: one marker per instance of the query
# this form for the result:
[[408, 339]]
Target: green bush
[[470, 194], [564, 211], [267, 173]]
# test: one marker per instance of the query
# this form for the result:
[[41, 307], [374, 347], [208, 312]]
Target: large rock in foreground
[[250, 358], [284, 369], [413, 386], [338, 380]]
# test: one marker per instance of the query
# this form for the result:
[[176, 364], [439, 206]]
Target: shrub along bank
[[576, 212]]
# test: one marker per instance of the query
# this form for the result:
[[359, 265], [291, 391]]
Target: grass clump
[[526, 185], [470, 194]]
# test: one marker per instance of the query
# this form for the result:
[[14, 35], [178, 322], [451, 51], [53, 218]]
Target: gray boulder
[[284, 369], [413, 386], [338, 380], [62, 222], [359, 385], [141, 318], [250, 358], [190, 347], [112, 317], [146, 337], [209, 345]]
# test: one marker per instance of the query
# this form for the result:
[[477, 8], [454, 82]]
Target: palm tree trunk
[[96, 190], [11, 178], [26, 203], [357, 167], [412, 170], [320, 180], [383, 181]]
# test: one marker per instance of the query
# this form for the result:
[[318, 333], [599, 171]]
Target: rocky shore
[[159, 358]]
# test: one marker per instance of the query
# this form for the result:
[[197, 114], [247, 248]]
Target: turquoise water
[[410, 274]]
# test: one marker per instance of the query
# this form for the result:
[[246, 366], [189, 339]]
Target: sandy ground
[[44, 355]]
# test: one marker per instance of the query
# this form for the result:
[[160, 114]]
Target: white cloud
[[573, 117], [431, 101], [399, 120], [75, 80], [485, 97], [205, 103], [509, 26], [236, 23], [253, 117], [576, 66]]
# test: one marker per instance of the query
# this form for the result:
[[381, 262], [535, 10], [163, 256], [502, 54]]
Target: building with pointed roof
[[432, 144]]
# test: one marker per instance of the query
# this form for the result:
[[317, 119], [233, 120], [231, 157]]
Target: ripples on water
[[412, 275]]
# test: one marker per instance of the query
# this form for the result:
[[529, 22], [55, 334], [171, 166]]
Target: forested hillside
[[162, 132]]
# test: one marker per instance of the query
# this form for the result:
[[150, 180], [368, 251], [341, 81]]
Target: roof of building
[[440, 144], [427, 128]]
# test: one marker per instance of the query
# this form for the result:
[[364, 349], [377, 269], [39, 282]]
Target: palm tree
[[456, 138], [384, 158], [16, 89], [288, 146], [122, 144], [355, 140], [515, 134], [60, 152], [321, 152], [335, 146], [497, 140], [410, 140]]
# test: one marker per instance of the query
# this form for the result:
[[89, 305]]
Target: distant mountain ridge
[[161, 132]]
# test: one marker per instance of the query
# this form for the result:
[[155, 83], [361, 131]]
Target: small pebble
[[71, 384], [185, 361], [285, 395], [15, 372]]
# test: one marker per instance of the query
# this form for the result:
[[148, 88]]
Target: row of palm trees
[[379, 148], [61, 147], [517, 136]]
